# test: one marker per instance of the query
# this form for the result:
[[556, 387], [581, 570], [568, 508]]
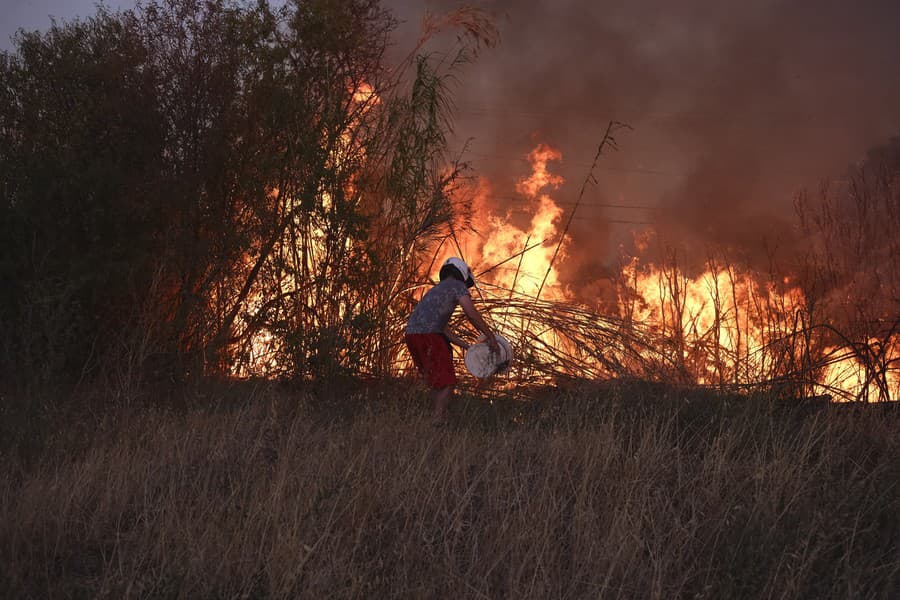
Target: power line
[[565, 165], [601, 219], [521, 199], [520, 110], [581, 165], [611, 221]]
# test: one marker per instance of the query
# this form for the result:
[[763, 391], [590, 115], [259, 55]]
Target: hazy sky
[[734, 104], [35, 14]]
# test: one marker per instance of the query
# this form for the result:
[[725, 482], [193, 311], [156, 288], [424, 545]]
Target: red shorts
[[432, 355]]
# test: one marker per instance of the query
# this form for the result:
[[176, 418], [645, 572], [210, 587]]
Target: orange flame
[[879, 381], [723, 326], [722, 322], [533, 247], [259, 356]]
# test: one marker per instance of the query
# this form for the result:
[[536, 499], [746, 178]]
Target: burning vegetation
[[726, 326], [286, 195]]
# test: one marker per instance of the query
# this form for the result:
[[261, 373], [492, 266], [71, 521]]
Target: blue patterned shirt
[[433, 311]]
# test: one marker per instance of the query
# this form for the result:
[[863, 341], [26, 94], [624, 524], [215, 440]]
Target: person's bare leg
[[442, 398]]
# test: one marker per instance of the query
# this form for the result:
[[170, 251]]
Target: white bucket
[[481, 362]]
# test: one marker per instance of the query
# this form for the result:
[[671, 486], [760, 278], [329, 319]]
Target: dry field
[[627, 491]]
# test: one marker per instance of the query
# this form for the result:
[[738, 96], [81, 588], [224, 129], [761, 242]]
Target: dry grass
[[615, 492]]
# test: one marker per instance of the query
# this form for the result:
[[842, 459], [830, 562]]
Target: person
[[428, 336]]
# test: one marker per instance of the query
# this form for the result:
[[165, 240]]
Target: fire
[[259, 352], [724, 326], [512, 262], [872, 380], [365, 95], [532, 248]]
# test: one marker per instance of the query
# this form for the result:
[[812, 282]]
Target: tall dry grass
[[617, 492]]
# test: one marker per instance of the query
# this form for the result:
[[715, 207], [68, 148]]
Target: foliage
[[853, 225], [186, 179], [853, 278], [78, 159]]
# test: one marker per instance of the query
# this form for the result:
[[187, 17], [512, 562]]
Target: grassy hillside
[[626, 491]]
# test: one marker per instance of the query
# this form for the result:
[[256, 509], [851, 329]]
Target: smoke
[[735, 106]]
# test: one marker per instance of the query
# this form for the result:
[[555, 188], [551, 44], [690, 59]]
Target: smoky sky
[[734, 107]]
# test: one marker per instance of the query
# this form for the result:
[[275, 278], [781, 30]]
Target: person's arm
[[455, 339], [478, 321]]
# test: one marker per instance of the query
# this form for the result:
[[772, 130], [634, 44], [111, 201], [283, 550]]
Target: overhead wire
[[507, 109], [521, 199], [639, 170], [564, 165]]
